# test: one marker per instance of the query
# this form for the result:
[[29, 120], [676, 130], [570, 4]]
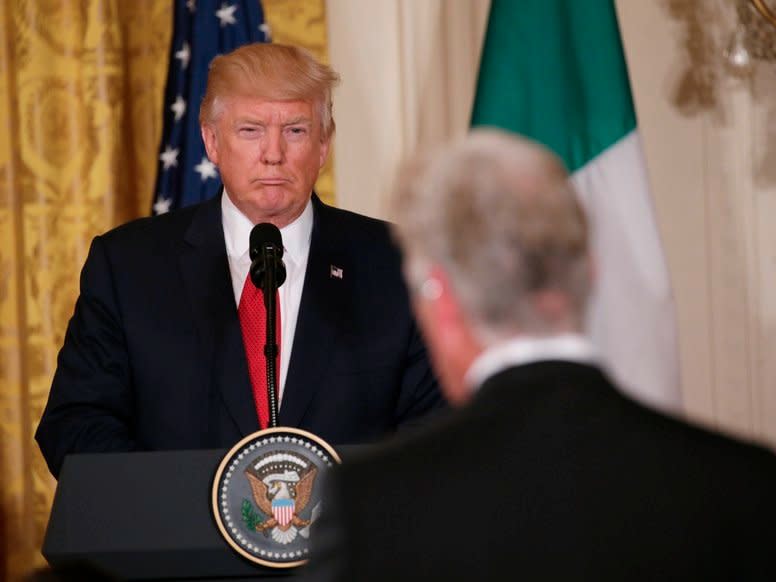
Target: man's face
[[269, 154]]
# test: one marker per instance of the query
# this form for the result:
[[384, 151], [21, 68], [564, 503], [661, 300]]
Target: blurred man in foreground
[[546, 471]]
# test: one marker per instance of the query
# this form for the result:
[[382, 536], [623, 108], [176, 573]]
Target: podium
[[146, 516]]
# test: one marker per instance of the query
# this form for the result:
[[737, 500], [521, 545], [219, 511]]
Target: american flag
[[203, 30]]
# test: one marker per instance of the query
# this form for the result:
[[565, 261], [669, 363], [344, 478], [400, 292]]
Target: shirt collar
[[525, 350], [296, 236], [237, 231]]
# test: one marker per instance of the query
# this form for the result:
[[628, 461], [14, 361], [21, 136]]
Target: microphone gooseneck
[[268, 273]]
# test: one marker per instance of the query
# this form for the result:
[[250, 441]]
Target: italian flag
[[554, 71]]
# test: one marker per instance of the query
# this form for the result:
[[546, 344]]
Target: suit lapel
[[322, 311], [205, 270]]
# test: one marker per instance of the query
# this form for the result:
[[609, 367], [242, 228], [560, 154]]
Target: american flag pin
[[335, 272]]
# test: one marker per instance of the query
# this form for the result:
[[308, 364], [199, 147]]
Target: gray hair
[[498, 214]]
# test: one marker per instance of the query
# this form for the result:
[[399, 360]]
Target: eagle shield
[[283, 511]]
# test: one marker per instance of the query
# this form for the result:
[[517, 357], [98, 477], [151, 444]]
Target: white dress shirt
[[568, 347], [296, 250]]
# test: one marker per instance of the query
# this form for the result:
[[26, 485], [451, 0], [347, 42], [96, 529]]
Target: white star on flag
[[226, 14], [169, 157], [266, 31], [206, 169], [184, 55], [191, 5], [179, 108], [162, 205]]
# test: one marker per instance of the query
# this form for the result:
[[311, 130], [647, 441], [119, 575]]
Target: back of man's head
[[498, 215], [273, 72]]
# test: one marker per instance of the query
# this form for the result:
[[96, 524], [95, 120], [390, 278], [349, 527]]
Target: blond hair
[[270, 71], [498, 214]]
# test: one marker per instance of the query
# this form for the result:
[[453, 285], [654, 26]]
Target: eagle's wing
[[259, 489], [304, 489]]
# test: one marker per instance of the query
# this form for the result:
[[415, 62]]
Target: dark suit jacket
[[552, 474], [153, 357]]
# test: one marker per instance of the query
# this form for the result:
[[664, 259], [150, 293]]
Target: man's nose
[[272, 148]]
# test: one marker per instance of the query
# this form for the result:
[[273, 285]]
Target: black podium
[[146, 516]]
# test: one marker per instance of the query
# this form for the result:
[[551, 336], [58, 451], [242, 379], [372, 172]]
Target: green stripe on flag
[[554, 71]]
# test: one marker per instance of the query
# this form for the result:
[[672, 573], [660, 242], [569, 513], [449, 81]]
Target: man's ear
[[211, 143], [448, 311], [452, 342], [445, 301], [325, 142]]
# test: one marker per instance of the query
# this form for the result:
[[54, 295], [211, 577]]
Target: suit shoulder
[[581, 399], [177, 219], [367, 241], [355, 224], [670, 434], [736, 449], [151, 229]]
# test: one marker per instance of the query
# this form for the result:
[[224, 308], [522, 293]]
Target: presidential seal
[[266, 494]]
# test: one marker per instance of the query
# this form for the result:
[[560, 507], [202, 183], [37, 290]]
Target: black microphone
[[268, 273], [266, 251]]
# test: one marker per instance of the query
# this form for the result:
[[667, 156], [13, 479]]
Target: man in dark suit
[[162, 351], [546, 470]]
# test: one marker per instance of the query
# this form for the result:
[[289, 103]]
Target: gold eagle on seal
[[282, 485]]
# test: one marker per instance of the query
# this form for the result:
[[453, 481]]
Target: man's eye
[[297, 130], [249, 131]]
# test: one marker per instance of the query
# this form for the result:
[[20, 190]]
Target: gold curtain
[[81, 89], [81, 84]]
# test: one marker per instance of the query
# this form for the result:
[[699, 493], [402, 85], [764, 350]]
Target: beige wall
[[710, 152], [408, 71], [409, 80]]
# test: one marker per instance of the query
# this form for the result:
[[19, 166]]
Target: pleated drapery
[[81, 88]]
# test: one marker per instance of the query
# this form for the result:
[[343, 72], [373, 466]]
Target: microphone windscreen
[[263, 234]]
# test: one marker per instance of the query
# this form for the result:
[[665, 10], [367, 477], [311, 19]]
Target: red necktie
[[254, 331]]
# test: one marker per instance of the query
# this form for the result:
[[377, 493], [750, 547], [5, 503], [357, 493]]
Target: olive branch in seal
[[250, 517]]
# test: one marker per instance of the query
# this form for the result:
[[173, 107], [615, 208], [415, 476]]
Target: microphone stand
[[269, 289]]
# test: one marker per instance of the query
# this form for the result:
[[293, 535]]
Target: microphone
[[266, 252], [268, 273]]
